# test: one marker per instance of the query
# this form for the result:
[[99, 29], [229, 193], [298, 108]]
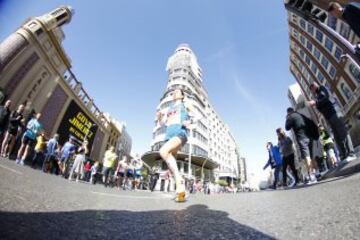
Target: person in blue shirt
[[275, 161], [33, 129], [67, 152], [51, 153]]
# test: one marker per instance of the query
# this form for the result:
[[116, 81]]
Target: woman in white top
[[78, 166]]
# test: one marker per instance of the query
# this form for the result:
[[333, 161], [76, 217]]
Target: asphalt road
[[34, 205]]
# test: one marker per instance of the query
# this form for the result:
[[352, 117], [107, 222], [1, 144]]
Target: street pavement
[[344, 168], [34, 205]]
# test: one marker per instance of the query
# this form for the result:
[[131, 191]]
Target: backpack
[[311, 129]]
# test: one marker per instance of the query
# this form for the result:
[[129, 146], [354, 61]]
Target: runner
[[120, 172], [12, 131], [177, 122], [34, 128]]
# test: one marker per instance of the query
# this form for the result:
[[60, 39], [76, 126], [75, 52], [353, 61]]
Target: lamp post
[[190, 150], [202, 169]]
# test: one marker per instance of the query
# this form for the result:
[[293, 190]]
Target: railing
[[77, 88]]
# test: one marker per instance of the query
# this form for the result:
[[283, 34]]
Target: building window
[[295, 33], [355, 72], [309, 46], [329, 44], [307, 60], [310, 29], [302, 23], [338, 53], [344, 30], [319, 36], [301, 67], [325, 63], [313, 68], [302, 54], [320, 77], [317, 54], [332, 71], [345, 90], [302, 40]]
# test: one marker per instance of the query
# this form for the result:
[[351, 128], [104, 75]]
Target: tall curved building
[[321, 51], [213, 149]]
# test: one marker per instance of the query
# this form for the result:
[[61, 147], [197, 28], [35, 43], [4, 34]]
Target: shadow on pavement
[[194, 222]]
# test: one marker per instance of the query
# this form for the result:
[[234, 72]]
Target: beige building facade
[[36, 71]]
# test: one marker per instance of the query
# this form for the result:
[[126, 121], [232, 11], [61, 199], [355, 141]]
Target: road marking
[[132, 197], [10, 169]]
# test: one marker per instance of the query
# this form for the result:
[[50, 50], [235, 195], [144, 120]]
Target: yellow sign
[[81, 126]]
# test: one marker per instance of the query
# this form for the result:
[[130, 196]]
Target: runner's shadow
[[194, 222]]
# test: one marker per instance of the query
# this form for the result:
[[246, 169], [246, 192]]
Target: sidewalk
[[344, 168]]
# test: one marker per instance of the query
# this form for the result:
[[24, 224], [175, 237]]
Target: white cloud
[[220, 54], [246, 95]]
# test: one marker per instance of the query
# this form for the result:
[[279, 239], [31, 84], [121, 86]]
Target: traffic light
[[307, 9]]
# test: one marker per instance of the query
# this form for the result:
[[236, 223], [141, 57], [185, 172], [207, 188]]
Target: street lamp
[[192, 127], [202, 169], [190, 150]]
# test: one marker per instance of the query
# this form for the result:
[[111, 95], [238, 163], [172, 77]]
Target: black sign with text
[[78, 124]]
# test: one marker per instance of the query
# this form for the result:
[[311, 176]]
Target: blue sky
[[119, 50]]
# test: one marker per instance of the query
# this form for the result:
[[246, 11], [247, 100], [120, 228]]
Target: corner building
[[36, 71]]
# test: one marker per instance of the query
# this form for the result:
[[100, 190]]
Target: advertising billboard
[[78, 124]]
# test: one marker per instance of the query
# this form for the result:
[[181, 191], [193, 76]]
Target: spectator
[[108, 164], [50, 153], [288, 156], [350, 13], [4, 118], [274, 161], [78, 165], [66, 153], [87, 170], [94, 170], [296, 122], [327, 109], [328, 146], [55, 164], [18, 140], [40, 148], [14, 122], [33, 128]]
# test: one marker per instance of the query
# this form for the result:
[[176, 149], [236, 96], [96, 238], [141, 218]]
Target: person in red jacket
[[87, 170]]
